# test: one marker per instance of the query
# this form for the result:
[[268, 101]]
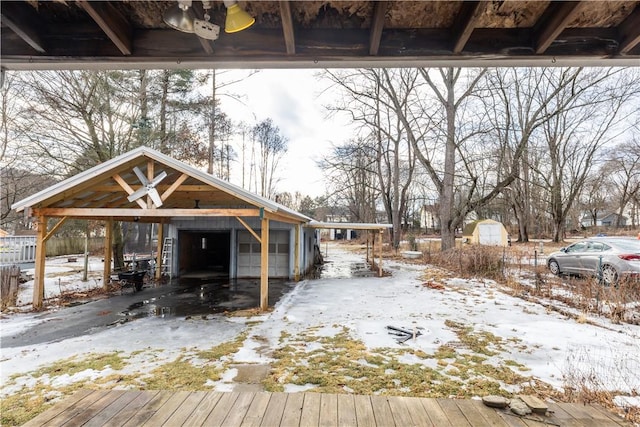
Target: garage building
[[206, 226]]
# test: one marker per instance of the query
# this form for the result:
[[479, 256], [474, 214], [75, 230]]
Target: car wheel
[[554, 267], [609, 275]]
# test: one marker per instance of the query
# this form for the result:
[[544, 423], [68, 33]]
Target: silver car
[[609, 258]]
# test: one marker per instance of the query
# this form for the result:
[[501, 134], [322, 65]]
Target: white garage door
[[249, 254]]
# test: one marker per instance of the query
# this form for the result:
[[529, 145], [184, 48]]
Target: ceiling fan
[[148, 187]]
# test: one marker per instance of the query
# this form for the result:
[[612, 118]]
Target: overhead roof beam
[[465, 23], [630, 31], [377, 25], [111, 22], [143, 213], [22, 21], [557, 16], [287, 27]]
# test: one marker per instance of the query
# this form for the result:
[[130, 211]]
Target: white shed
[[486, 232]]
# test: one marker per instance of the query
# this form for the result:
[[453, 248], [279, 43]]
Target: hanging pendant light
[[237, 18], [180, 16]]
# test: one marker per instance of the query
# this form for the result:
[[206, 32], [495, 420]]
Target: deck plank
[[475, 409], [328, 410], [310, 415], [275, 408], [346, 410], [95, 408], [131, 408], [454, 414], [293, 410], [417, 412], [76, 410], [103, 408], [399, 410], [202, 411], [221, 410], [239, 410], [382, 411], [44, 417], [510, 419], [167, 409], [150, 408], [184, 411], [563, 417], [595, 408], [103, 417], [587, 417], [435, 412], [256, 411], [364, 410]]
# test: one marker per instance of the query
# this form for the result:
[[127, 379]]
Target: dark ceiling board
[[23, 22], [168, 45], [554, 21], [111, 22], [377, 25], [630, 32], [287, 27], [466, 20]]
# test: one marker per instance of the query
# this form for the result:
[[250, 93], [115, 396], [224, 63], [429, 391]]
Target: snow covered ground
[[472, 318]]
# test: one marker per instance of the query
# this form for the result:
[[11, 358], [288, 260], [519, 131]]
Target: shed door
[[249, 254], [490, 234]]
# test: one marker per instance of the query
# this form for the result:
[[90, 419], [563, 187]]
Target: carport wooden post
[[38, 275], [108, 250], [296, 253], [368, 235], [380, 263], [264, 265]]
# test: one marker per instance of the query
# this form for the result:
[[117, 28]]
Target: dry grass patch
[[341, 364], [45, 386]]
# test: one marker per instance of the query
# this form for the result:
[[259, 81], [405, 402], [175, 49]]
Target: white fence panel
[[17, 249]]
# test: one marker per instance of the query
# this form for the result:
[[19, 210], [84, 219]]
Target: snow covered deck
[[199, 408]]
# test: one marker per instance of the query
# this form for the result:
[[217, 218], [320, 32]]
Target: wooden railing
[[17, 250]]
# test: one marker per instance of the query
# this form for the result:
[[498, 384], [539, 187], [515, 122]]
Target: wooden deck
[[200, 408]]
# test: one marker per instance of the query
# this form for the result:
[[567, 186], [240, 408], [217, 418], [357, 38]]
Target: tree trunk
[[163, 112], [448, 234], [212, 126], [118, 246]]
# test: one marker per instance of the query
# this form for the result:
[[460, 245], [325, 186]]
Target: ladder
[[167, 257]]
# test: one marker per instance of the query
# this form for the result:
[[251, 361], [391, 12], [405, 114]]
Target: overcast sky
[[294, 100]]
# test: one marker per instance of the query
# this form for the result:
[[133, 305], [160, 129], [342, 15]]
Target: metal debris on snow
[[402, 334]]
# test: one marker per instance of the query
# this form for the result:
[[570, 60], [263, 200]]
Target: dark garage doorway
[[204, 254]]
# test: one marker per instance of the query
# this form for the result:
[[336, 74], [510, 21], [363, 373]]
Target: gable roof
[[470, 228], [186, 191]]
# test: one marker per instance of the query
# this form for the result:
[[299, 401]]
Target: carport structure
[[106, 192]]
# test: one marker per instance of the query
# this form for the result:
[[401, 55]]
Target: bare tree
[[517, 100], [594, 197], [77, 119], [446, 134], [367, 103], [350, 170], [622, 171], [272, 147], [584, 117]]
